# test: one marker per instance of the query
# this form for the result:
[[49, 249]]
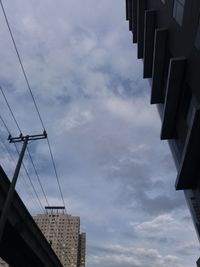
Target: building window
[[178, 11], [197, 41], [163, 1]]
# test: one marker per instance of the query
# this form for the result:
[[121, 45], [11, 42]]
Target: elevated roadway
[[23, 244]]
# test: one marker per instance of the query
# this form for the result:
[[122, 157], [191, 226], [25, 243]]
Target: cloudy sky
[[114, 172]]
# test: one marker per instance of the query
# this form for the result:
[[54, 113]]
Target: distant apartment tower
[[81, 250], [63, 233], [167, 33]]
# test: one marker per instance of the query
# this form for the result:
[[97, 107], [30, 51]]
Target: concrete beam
[[158, 65], [172, 98], [149, 35], [23, 244]]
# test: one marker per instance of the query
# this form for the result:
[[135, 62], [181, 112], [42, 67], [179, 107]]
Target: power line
[[40, 204], [29, 193], [23, 178], [37, 175], [34, 101], [4, 124], [27, 174], [56, 173], [20, 131], [42, 208], [22, 163], [33, 98], [21, 64], [4, 96], [23, 181]]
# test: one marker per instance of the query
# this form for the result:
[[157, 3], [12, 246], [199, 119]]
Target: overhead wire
[[9, 107], [21, 64], [23, 180], [37, 175], [20, 131], [4, 124], [16, 148], [33, 98], [35, 191], [56, 232], [26, 171], [56, 173], [34, 101]]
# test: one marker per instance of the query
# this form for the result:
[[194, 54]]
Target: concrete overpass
[[23, 244]]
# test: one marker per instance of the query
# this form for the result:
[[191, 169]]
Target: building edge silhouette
[[167, 34]]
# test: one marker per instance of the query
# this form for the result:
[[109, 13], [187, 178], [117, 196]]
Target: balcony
[[172, 98], [131, 16], [134, 19], [149, 35], [158, 65], [127, 8], [141, 6]]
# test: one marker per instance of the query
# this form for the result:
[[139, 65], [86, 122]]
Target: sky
[[114, 171]]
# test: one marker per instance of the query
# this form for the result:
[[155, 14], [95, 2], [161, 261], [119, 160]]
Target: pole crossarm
[[22, 137]]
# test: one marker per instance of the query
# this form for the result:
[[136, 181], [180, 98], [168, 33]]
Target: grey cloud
[[188, 249], [161, 203], [117, 255], [136, 178], [80, 61]]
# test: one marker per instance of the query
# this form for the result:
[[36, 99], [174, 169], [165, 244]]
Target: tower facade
[[63, 233], [167, 34], [81, 250]]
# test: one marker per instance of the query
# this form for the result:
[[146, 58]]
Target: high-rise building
[[63, 233], [81, 250], [167, 33]]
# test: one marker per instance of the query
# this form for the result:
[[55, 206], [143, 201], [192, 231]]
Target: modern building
[[63, 233], [167, 33]]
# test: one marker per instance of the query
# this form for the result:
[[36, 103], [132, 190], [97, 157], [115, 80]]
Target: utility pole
[[9, 197]]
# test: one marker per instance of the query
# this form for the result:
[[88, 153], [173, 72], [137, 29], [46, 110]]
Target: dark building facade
[[167, 33]]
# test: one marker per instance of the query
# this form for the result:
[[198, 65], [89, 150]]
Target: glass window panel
[[178, 11]]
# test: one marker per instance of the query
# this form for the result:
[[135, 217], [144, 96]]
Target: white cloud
[[81, 65], [158, 224], [74, 119], [120, 255], [134, 111], [115, 260]]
